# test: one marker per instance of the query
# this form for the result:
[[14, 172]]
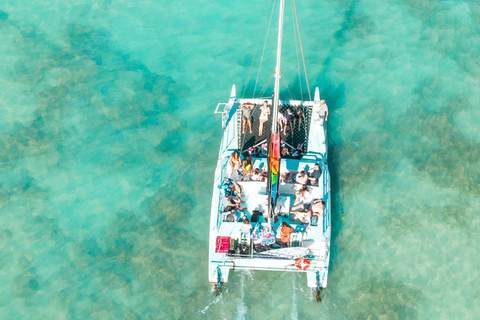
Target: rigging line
[[296, 51], [285, 79], [301, 48], [266, 85], [256, 49], [264, 46]]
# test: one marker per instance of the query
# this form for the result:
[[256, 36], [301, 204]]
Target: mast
[[276, 90], [274, 143]]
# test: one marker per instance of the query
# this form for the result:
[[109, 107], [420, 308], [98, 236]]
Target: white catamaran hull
[[315, 241]]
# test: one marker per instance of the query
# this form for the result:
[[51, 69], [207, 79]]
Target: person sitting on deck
[[298, 152], [247, 166], [288, 120], [263, 151], [286, 177], [284, 153], [233, 163], [298, 116], [301, 177], [263, 116], [300, 194], [247, 115], [314, 174], [246, 227], [259, 174], [285, 232], [314, 209], [230, 187], [232, 203]]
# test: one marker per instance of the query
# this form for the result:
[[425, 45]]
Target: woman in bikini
[[247, 115], [263, 116], [233, 163], [247, 166]]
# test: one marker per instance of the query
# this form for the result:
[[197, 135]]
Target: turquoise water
[[108, 144]]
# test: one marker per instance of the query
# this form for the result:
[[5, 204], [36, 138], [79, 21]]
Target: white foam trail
[[242, 309], [294, 313], [217, 299]]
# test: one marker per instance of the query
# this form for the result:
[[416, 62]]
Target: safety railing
[[223, 112]]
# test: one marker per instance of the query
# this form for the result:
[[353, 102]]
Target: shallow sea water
[[108, 145]]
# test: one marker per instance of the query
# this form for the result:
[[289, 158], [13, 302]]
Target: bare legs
[[260, 127]]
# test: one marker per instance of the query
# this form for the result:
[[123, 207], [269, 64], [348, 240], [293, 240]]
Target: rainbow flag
[[274, 169]]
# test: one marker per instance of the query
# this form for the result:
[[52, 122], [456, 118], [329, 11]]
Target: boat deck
[[290, 139]]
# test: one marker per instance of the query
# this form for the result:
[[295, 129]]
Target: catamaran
[[272, 212]]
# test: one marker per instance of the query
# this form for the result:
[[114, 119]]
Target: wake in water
[[241, 310], [294, 313]]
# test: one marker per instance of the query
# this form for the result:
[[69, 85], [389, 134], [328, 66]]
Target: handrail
[[218, 106]]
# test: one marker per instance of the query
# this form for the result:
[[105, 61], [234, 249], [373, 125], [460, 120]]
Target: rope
[[256, 48], [285, 79], [263, 52], [266, 85], [301, 48], [296, 51]]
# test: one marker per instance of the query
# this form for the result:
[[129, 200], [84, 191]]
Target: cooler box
[[222, 245]]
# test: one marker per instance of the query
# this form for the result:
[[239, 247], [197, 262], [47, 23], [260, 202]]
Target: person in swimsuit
[[281, 120], [316, 208], [288, 120], [247, 115], [298, 117], [247, 166], [233, 163], [263, 116]]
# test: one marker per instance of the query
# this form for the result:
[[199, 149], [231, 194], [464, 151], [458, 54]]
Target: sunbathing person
[[247, 115], [263, 116]]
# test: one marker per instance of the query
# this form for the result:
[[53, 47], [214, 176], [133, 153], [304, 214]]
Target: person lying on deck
[[247, 115], [265, 109]]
